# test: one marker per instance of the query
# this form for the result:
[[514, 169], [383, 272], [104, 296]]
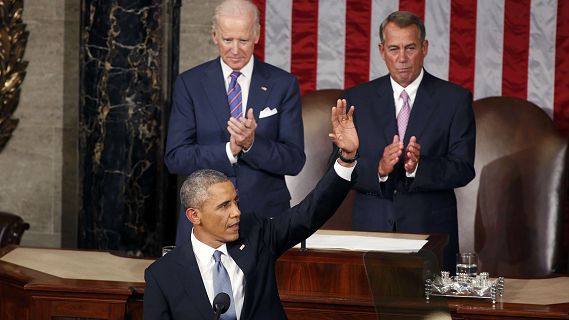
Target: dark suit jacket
[[175, 290], [443, 122], [197, 133]]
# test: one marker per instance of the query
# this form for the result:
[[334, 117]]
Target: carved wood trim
[[13, 40]]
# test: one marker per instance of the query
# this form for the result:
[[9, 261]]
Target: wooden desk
[[314, 284], [35, 295]]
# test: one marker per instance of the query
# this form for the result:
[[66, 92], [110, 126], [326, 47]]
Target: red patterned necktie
[[234, 96], [403, 116]]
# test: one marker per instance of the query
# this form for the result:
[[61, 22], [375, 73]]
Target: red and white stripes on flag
[[492, 47]]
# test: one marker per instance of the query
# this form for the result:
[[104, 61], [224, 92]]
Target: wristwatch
[[346, 160]]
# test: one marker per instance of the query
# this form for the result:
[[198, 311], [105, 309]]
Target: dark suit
[[175, 290], [197, 135], [443, 122]]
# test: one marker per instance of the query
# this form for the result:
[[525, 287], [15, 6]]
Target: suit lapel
[[240, 252], [422, 109], [214, 87], [259, 89], [386, 109], [192, 282]]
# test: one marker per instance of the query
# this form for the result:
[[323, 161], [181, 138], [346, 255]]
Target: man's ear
[[193, 216]]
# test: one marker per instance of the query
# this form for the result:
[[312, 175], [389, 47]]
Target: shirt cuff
[[344, 172], [247, 150], [412, 174], [382, 179], [232, 159]]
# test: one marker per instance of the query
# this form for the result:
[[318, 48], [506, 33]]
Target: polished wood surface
[[314, 284], [29, 294]]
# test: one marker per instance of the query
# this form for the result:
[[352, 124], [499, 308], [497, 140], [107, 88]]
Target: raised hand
[[344, 133]]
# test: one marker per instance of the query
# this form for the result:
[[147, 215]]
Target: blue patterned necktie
[[234, 96], [222, 283]]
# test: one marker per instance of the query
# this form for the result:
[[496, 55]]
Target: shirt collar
[[411, 89], [203, 252], [246, 71]]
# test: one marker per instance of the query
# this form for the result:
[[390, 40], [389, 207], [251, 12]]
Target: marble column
[[127, 59]]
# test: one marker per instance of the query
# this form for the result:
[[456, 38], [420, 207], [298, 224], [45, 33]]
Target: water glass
[[467, 263]]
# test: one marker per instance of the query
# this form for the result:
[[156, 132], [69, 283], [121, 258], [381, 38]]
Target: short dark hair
[[403, 19], [193, 192]]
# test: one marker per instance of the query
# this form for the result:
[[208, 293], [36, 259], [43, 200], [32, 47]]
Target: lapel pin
[[241, 247], [263, 88]]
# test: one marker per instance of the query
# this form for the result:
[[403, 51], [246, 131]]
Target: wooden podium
[[313, 284], [332, 284]]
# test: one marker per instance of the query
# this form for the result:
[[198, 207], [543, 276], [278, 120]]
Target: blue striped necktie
[[234, 96], [222, 283]]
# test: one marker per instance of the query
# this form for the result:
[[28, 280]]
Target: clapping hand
[[242, 131]]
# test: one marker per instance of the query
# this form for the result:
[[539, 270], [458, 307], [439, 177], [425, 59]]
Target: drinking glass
[[467, 262]]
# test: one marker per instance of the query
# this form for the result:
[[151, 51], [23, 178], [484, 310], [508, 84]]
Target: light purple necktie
[[403, 116], [234, 96], [221, 283]]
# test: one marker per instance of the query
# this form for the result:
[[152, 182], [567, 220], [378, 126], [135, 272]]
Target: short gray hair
[[193, 192], [403, 19], [236, 8]]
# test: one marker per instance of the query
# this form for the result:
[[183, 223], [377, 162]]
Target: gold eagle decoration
[[13, 39]]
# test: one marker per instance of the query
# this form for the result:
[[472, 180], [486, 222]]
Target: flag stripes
[[500, 47]]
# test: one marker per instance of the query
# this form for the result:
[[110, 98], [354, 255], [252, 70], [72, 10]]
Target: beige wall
[[34, 164], [196, 45], [38, 167]]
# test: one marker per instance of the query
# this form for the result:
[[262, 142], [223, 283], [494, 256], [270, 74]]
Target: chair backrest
[[511, 214], [316, 106], [12, 228]]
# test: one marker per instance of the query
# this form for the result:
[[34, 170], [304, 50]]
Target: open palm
[[344, 133]]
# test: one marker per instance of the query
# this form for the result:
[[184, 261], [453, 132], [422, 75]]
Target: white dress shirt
[[411, 90], [244, 82], [204, 257]]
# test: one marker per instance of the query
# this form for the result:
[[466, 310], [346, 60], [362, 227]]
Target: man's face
[[235, 38], [403, 52], [218, 216]]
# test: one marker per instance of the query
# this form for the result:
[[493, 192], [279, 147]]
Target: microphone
[[220, 304]]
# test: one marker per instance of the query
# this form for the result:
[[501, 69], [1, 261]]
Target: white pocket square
[[267, 112]]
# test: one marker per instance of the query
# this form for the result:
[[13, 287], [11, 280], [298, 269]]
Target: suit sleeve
[[285, 155], [456, 168], [155, 305], [183, 153], [302, 220]]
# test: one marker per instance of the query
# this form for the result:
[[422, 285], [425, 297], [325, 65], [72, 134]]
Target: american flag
[[492, 47]]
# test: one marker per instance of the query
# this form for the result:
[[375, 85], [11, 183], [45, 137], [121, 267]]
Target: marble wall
[[39, 166]]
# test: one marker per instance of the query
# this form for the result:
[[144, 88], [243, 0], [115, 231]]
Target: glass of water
[[467, 263]]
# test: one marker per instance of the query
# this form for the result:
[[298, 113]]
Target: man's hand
[[344, 133], [243, 131], [412, 155], [390, 157], [235, 149]]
